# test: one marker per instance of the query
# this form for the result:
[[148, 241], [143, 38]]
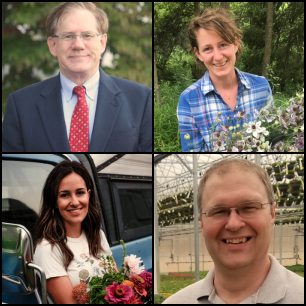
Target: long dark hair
[[50, 225]]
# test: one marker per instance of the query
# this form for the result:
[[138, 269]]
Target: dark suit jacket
[[34, 118]]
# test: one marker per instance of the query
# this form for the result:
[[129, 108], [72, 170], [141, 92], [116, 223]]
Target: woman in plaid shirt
[[224, 91]]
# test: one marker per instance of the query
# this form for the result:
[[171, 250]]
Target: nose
[[78, 41], [234, 221], [74, 200], [218, 55]]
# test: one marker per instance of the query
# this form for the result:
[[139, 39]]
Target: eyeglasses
[[245, 210], [70, 37]]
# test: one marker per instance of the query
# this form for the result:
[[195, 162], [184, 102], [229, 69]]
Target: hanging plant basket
[[290, 175], [295, 192], [296, 185], [284, 194], [279, 178], [281, 201], [277, 168], [299, 172], [291, 164], [283, 187]]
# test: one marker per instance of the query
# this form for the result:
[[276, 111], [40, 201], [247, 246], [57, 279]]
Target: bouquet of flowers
[[132, 285], [285, 125]]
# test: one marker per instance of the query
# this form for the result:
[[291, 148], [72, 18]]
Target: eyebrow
[[69, 191], [74, 32], [210, 45]]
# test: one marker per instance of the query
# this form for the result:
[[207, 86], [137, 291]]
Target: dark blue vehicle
[[124, 188]]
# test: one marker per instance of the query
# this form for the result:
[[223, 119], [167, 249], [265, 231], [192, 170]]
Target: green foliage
[[26, 57], [179, 66], [272, 79], [98, 284], [287, 46]]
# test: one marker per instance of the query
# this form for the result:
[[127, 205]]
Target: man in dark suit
[[82, 109]]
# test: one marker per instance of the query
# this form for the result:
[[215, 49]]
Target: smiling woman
[[69, 240], [224, 92]]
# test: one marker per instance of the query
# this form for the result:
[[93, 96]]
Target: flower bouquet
[[132, 285], [279, 130]]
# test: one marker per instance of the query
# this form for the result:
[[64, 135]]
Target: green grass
[[171, 284]]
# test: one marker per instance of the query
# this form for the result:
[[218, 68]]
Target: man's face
[[214, 50], [229, 190], [78, 58]]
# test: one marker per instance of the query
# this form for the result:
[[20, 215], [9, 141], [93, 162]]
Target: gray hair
[[68, 7]]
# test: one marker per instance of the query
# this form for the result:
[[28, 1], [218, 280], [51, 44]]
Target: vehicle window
[[136, 204], [22, 184]]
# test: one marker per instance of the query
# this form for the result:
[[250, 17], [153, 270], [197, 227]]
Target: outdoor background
[[26, 58], [278, 57]]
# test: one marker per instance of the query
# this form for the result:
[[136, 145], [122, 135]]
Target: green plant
[[158, 298]]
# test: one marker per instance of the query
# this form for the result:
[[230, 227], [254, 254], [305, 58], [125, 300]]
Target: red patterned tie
[[78, 139]]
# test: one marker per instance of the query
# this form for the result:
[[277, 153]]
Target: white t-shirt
[[82, 267]]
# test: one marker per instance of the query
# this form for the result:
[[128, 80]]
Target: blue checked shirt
[[199, 103]]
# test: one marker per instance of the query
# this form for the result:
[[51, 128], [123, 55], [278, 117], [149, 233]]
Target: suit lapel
[[108, 106], [52, 116]]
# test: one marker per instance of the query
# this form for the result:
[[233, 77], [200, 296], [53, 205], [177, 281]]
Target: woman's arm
[[60, 290]]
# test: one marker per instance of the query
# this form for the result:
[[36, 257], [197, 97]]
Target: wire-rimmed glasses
[[245, 210], [70, 37]]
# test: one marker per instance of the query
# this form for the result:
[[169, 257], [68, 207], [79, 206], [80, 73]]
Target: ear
[[197, 53], [273, 213], [51, 44]]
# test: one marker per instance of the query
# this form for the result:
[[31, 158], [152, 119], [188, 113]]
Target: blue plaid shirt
[[199, 103]]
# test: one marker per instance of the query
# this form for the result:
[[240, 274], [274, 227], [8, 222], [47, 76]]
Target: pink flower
[[118, 294], [147, 277]]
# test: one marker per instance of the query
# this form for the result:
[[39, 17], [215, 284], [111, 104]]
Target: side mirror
[[17, 268]]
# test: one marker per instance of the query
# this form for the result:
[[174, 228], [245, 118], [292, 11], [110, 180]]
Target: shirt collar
[[263, 295], [207, 85], [91, 86]]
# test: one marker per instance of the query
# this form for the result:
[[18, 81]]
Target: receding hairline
[[244, 198], [64, 15], [229, 166]]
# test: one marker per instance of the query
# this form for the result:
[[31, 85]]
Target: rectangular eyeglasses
[[69, 37], [245, 210]]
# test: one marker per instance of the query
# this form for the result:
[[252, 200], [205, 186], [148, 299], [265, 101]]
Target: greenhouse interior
[[179, 244]]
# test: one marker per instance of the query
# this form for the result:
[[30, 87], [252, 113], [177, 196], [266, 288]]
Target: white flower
[[254, 128], [131, 264]]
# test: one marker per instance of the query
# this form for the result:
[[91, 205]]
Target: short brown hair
[[67, 7], [225, 166], [217, 20]]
